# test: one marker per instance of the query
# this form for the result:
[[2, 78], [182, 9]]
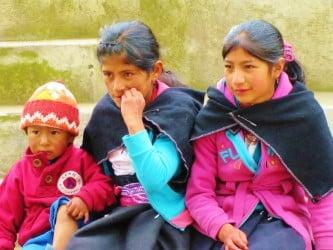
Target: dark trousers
[[264, 233], [127, 228]]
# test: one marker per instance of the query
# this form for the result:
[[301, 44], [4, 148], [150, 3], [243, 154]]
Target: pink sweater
[[33, 184]]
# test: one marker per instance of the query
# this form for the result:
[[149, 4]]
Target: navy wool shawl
[[294, 126], [172, 113]]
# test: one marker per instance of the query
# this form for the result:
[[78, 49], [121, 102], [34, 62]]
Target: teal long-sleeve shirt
[[155, 165]]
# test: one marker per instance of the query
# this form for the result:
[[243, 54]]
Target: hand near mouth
[[132, 106]]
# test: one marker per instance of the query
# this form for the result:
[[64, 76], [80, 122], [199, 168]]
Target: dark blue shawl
[[294, 126], [173, 113]]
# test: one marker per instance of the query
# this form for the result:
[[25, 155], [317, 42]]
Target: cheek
[[258, 80], [32, 140], [136, 84], [107, 82], [60, 148], [33, 144]]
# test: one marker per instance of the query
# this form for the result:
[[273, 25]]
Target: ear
[[278, 67], [158, 68]]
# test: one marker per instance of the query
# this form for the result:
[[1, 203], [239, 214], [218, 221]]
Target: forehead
[[45, 128], [117, 61], [239, 54]]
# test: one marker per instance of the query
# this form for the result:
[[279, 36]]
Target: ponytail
[[171, 79], [295, 71]]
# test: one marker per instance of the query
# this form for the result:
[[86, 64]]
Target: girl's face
[[52, 141], [250, 79], [119, 76]]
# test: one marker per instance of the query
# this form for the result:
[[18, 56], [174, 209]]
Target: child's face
[[250, 79], [52, 141]]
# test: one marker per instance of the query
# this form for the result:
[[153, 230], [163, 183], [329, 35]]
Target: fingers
[[86, 218], [77, 209], [78, 214], [243, 239], [234, 246], [236, 241], [74, 212], [131, 93], [132, 102]]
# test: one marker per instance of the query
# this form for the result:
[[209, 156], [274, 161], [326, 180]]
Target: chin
[[116, 101]]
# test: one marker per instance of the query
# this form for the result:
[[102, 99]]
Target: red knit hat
[[52, 105]]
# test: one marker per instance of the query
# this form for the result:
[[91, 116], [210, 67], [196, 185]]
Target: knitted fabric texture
[[52, 105]]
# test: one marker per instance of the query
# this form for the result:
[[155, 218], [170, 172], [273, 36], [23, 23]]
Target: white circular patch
[[70, 183]]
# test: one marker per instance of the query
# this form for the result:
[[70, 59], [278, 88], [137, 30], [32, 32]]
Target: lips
[[240, 91], [117, 97]]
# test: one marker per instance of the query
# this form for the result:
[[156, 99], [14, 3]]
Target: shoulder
[[186, 93], [180, 97], [80, 151], [17, 171]]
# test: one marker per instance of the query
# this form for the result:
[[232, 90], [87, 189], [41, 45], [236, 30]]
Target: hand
[[78, 209], [132, 105], [232, 238]]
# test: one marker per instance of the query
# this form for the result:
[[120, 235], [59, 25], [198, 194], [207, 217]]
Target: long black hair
[[137, 42], [264, 41]]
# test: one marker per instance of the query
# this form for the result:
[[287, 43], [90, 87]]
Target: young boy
[[50, 191]]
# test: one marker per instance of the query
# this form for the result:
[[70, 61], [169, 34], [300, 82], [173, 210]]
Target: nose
[[44, 140], [237, 77], [118, 85]]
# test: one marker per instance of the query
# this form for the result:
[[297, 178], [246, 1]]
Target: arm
[[11, 212], [155, 164], [161, 160], [322, 222], [97, 191], [200, 196]]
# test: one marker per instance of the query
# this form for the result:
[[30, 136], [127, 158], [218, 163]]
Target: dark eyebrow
[[243, 62]]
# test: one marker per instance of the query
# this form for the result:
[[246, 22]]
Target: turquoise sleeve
[[155, 162]]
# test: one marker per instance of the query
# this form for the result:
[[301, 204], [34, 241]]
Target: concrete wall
[[42, 40]]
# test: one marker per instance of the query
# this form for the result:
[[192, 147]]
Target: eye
[[55, 132], [227, 66], [107, 74], [249, 66], [35, 132], [128, 74]]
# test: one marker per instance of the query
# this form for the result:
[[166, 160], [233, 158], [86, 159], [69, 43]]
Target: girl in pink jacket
[[263, 170]]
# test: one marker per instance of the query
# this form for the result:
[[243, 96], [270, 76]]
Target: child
[[263, 171], [55, 185], [139, 131]]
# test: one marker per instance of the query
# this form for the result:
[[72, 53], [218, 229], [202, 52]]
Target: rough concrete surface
[[190, 34]]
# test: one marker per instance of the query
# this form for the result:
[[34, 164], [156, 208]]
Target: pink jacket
[[33, 184], [223, 190]]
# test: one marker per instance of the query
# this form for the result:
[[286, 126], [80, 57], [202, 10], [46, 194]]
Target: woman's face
[[119, 76], [250, 79]]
